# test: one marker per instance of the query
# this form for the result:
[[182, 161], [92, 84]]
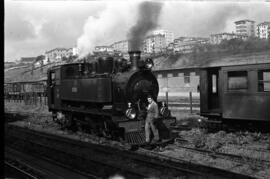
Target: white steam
[[111, 25]]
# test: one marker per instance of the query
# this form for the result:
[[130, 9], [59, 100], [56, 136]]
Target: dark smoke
[[147, 21]]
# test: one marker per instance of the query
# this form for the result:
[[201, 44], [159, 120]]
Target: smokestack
[[135, 57]]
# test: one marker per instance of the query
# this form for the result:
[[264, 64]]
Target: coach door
[[213, 90]]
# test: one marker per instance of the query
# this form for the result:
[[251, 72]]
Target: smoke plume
[[106, 28], [147, 20]]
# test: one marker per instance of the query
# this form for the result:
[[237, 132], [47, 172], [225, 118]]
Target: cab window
[[52, 77]]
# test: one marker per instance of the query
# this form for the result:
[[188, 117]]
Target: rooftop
[[245, 20], [152, 36], [264, 23], [103, 46], [215, 60], [226, 33], [55, 50], [121, 41]]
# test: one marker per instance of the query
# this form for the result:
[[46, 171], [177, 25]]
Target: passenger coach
[[239, 89]]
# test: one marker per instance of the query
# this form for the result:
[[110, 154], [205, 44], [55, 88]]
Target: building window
[[237, 80], [180, 74], [186, 78], [264, 80]]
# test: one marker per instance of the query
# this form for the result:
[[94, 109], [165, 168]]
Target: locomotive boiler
[[106, 97]]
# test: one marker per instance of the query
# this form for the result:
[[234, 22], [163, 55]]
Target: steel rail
[[238, 158], [25, 173], [154, 162]]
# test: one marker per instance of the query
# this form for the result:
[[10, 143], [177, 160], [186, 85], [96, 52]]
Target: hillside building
[[218, 38], [186, 44], [120, 46], [55, 55], [103, 48], [263, 30], [27, 60], [72, 52], [169, 36], [245, 27], [154, 44]]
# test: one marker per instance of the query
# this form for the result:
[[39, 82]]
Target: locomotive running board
[[137, 139], [137, 125]]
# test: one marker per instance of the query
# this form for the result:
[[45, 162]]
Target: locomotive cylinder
[[135, 57]]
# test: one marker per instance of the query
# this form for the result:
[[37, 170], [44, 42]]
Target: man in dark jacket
[[152, 114]]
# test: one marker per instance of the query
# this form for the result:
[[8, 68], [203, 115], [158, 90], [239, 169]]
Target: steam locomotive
[[107, 97]]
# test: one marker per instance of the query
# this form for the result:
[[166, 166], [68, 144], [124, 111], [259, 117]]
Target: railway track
[[231, 157], [105, 161], [41, 167], [14, 170]]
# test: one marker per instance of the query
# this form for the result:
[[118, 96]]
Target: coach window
[[237, 80], [214, 83], [264, 80]]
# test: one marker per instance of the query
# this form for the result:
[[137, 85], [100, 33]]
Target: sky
[[33, 27]]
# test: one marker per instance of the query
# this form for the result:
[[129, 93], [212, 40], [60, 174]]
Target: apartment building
[[154, 44], [169, 36], [263, 30], [56, 54], [120, 46], [245, 27]]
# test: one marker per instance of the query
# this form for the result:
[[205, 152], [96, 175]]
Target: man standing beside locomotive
[[152, 114]]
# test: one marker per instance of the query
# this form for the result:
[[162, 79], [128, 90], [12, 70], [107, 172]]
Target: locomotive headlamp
[[149, 63], [129, 105], [130, 112]]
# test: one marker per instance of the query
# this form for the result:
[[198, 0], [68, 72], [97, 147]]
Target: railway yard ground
[[244, 153]]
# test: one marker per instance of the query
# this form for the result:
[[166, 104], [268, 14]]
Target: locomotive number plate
[[74, 89]]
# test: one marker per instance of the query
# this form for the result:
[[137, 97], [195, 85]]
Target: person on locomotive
[[152, 114]]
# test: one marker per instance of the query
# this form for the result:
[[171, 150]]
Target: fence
[[181, 101], [28, 98], [180, 92]]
